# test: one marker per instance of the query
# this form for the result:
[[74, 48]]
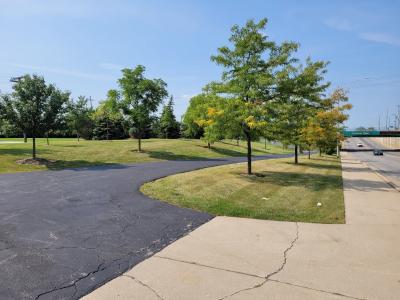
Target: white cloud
[[381, 37], [339, 24], [377, 37]]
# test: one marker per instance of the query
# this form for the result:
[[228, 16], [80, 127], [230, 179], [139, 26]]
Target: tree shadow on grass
[[84, 165], [255, 149], [227, 152], [314, 182], [71, 146], [22, 151], [167, 155], [324, 158], [316, 165]]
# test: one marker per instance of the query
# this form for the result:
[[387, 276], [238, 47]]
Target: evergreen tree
[[169, 127]]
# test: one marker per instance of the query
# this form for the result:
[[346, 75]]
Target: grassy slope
[[291, 192], [71, 153]]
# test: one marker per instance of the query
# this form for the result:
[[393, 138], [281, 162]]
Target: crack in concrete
[[145, 285], [208, 266], [317, 290], [285, 254], [267, 277], [258, 285]]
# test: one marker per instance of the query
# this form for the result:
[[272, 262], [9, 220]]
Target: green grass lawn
[[69, 153], [280, 190]]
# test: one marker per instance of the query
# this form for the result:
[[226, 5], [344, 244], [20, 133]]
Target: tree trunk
[[33, 147], [309, 153], [208, 145], [249, 172], [77, 135], [139, 144], [296, 154], [47, 139], [25, 138], [320, 151], [237, 142]]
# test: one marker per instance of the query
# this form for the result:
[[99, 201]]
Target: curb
[[384, 178]]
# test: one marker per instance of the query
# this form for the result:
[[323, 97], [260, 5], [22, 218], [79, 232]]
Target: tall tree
[[300, 96], [140, 98], [169, 127], [78, 117], [251, 65], [34, 106]]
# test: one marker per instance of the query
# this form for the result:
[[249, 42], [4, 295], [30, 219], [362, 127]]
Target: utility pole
[[387, 118], [379, 122], [16, 80]]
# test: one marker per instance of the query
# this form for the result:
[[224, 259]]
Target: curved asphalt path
[[65, 233]]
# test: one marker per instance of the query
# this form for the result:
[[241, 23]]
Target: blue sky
[[82, 45]]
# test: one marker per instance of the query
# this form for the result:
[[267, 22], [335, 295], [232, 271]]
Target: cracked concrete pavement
[[237, 258], [64, 233]]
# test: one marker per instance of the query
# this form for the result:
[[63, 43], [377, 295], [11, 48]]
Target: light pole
[[16, 80]]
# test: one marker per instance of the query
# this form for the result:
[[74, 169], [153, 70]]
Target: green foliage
[[252, 65], [108, 119], [140, 98], [196, 110], [169, 127], [330, 119], [8, 130], [34, 107], [79, 118]]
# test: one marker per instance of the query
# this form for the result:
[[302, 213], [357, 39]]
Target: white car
[[360, 145]]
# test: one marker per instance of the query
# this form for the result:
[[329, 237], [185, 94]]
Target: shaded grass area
[[69, 153], [279, 190]]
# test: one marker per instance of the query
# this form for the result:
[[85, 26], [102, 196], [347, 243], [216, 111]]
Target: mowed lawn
[[69, 153], [280, 190]]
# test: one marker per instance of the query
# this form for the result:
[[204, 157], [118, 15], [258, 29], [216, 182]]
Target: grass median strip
[[278, 190]]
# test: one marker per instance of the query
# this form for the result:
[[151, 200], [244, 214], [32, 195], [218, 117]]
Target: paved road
[[248, 259], [351, 143], [388, 164], [64, 233]]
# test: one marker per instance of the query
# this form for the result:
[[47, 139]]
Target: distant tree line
[[37, 109]]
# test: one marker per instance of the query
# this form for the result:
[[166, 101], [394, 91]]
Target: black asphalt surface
[[65, 233]]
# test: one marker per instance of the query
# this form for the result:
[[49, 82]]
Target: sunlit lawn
[[69, 153], [279, 190]]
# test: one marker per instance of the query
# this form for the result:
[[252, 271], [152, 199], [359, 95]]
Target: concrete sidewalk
[[235, 258]]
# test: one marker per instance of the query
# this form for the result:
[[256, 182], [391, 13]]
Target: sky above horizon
[[81, 46]]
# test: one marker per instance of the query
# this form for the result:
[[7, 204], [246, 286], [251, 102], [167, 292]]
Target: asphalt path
[[65, 233]]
